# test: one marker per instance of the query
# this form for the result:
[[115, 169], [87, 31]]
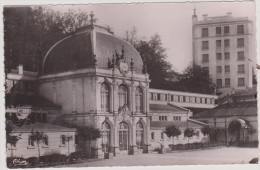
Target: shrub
[[157, 149], [32, 161]]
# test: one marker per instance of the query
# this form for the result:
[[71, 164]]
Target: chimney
[[205, 16], [229, 14], [20, 69]]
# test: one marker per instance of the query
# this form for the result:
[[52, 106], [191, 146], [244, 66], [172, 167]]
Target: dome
[[80, 49]]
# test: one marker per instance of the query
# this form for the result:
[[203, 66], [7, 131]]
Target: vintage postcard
[[130, 84]]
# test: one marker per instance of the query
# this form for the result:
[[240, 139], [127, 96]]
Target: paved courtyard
[[225, 155]]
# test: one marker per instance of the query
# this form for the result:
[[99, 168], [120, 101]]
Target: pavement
[[226, 155]]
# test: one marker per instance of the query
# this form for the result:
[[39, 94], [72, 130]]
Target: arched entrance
[[105, 137], [236, 131], [123, 136], [139, 135]]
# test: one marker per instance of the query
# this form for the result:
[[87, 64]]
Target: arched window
[[139, 135], [105, 136], [122, 95], [104, 97], [139, 99]]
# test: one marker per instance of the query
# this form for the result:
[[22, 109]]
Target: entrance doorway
[[105, 136], [139, 135], [123, 132]]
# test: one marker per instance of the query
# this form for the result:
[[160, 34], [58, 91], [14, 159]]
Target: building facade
[[94, 78], [224, 46], [99, 81], [235, 117]]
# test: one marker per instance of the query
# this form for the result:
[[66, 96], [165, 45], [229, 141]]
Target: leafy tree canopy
[[194, 78], [172, 131], [29, 32], [189, 132], [212, 132], [89, 133]]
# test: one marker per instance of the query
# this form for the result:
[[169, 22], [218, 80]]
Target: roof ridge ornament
[[132, 64], [92, 18], [123, 52]]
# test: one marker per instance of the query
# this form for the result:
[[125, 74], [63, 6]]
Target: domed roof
[[81, 49]]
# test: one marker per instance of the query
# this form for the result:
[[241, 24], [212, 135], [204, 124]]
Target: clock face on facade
[[123, 67]]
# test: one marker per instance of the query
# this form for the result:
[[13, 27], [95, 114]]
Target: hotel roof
[[42, 127]]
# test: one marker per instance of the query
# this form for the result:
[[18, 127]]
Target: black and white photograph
[[130, 84]]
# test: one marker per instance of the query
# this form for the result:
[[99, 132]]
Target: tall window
[[219, 82], [158, 96], [30, 141], [104, 97], [227, 82], [62, 139], [226, 29], [219, 57], [241, 68], [240, 29], [205, 58], [205, 32], [219, 69], [226, 43], [241, 82], [205, 45], [227, 69], [122, 95], [152, 135], [139, 99], [162, 135], [46, 140], [218, 43], [240, 42], [240, 55], [227, 56], [218, 30]]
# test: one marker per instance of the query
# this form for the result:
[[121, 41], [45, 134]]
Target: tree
[[212, 132], [189, 132], [31, 31], [194, 79], [38, 137], [88, 133], [11, 138], [172, 131], [154, 57]]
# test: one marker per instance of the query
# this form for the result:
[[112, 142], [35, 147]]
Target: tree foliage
[[194, 78], [88, 133], [38, 137], [154, 56], [30, 31], [172, 131], [212, 132], [189, 132], [10, 138]]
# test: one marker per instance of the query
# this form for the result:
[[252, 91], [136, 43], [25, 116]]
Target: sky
[[172, 21]]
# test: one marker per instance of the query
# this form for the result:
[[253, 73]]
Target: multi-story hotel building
[[224, 46]]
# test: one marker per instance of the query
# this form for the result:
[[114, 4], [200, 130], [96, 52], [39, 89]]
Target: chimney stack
[[205, 16], [229, 14], [20, 69]]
